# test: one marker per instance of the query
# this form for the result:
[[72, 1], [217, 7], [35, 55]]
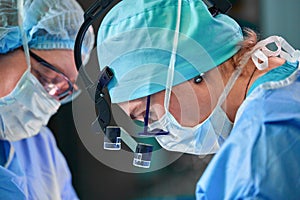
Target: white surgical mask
[[26, 109], [202, 139]]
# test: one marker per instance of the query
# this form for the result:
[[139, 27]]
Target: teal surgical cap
[[48, 24], [135, 40]]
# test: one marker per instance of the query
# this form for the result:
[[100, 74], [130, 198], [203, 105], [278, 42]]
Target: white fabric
[[262, 52], [205, 138]]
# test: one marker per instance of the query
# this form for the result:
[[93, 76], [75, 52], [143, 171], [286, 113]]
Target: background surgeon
[[34, 83], [214, 88]]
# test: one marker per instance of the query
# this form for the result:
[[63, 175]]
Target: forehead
[[64, 55], [140, 103]]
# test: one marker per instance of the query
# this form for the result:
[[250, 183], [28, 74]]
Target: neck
[[249, 81], [244, 83]]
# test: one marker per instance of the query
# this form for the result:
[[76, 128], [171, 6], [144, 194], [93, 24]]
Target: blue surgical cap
[[48, 24], [135, 40]]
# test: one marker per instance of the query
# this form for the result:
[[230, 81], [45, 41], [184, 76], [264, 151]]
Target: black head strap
[[95, 90], [218, 6]]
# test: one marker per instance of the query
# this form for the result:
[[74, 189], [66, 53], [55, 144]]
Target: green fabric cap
[[135, 39]]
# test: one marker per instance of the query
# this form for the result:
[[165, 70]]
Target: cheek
[[191, 106], [184, 106], [178, 109], [215, 85], [9, 77], [157, 111], [205, 103], [157, 105], [70, 69]]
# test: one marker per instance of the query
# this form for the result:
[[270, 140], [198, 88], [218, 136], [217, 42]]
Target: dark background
[[93, 180]]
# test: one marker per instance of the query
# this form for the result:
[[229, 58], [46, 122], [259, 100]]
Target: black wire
[[77, 52]]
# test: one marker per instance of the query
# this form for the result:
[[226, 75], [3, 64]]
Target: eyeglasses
[[55, 82]]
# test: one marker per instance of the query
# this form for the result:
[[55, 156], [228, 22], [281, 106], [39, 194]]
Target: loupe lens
[[112, 138], [142, 155]]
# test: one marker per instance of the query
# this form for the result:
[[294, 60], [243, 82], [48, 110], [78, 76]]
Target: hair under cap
[[135, 40], [48, 24]]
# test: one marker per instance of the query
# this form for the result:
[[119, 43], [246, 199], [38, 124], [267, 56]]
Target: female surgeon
[[213, 88], [37, 74]]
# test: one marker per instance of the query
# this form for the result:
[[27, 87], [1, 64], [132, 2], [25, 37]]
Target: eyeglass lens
[[55, 82]]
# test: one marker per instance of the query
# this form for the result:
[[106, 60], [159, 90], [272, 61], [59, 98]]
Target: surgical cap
[[48, 24], [135, 40]]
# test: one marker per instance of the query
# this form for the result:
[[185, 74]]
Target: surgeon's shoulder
[[268, 112], [47, 136], [267, 132], [264, 145], [267, 119], [273, 104]]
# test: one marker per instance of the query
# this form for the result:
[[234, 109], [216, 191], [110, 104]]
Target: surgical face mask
[[202, 139], [26, 109]]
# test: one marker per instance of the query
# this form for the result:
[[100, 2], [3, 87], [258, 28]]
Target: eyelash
[[134, 117]]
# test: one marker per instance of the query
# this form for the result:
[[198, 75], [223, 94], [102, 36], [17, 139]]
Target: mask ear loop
[[290, 54], [23, 34], [284, 50], [171, 68], [259, 47], [261, 54], [258, 52], [235, 75]]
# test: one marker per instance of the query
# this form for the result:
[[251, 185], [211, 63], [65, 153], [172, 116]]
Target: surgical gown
[[34, 168], [261, 157]]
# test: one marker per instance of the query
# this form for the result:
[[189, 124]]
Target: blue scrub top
[[34, 168], [261, 157]]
